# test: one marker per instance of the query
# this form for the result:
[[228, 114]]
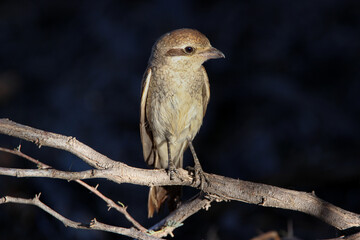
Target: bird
[[174, 98]]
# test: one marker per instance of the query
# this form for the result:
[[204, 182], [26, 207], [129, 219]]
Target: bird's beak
[[212, 53]]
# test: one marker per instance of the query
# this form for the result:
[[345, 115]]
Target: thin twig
[[175, 219], [94, 225], [58, 174], [20, 154], [44, 168], [112, 204]]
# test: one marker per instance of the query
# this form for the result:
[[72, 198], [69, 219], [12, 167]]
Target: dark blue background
[[284, 106]]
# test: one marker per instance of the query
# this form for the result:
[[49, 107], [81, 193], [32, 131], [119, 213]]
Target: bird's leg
[[171, 165], [199, 173]]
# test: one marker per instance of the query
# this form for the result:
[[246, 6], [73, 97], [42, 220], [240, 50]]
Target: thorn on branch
[[18, 148], [93, 222], [71, 140], [37, 196], [38, 143]]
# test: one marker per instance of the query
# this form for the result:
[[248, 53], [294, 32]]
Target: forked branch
[[93, 225], [221, 188]]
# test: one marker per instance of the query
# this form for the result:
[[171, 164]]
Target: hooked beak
[[212, 53]]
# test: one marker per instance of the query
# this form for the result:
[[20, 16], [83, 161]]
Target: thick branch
[[271, 196], [124, 173], [70, 144], [223, 187]]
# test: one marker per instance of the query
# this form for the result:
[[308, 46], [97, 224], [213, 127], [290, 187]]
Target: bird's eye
[[189, 49]]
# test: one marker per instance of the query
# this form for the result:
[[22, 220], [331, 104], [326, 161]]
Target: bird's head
[[184, 47]]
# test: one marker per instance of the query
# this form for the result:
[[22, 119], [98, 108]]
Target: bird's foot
[[198, 172], [199, 175], [172, 171]]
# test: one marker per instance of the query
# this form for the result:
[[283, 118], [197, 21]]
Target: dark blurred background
[[284, 106]]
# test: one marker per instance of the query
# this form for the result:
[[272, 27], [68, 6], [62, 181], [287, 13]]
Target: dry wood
[[220, 187], [94, 224]]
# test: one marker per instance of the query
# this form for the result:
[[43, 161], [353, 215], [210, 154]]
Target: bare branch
[[53, 173], [271, 196], [185, 210], [122, 173], [112, 204], [222, 187], [94, 225], [355, 236], [27, 157], [44, 167], [70, 144]]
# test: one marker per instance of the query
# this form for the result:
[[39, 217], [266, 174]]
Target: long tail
[[158, 195]]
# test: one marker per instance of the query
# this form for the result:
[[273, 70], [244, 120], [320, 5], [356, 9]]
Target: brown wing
[[145, 131], [206, 90]]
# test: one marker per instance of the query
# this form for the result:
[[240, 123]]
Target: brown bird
[[175, 94]]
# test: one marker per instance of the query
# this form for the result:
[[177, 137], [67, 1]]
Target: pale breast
[[174, 105]]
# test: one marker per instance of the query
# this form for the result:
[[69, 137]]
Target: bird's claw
[[199, 176], [172, 172]]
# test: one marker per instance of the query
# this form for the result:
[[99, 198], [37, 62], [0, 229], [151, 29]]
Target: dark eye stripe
[[175, 52], [180, 51]]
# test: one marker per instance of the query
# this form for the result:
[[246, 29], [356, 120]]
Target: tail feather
[[158, 195]]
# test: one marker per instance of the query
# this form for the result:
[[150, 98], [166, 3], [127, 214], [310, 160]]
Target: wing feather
[[206, 90], [145, 131]]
